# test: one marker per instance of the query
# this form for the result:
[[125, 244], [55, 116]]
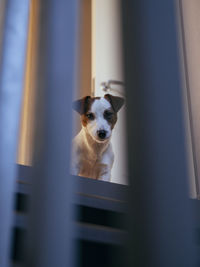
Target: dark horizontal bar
[[23, 188], [95, 201], [16, 264], [24, 173], [102, 189], [20, 220], [86, 187], [101, 234], [101, 217], [85, 231]]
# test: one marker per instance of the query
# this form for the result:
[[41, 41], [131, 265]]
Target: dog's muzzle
[[101, 134]]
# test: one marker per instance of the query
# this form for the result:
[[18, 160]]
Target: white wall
[[107, 65]]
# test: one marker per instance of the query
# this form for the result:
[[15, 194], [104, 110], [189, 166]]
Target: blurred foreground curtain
[[14, 24], [50, 228], [161, 218]]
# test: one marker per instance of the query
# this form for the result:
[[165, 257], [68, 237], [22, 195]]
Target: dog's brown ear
[[81, 105], [115, 101]]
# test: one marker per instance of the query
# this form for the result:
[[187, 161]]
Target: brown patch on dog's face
[[83, 106], [116, 104], [88, 116], [111, 116], [85, 119]]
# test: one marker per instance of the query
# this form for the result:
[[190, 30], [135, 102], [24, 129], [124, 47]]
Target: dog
[[92, 154]]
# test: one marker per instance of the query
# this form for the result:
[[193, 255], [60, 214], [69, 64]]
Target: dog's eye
[[108, 114], [90, 116]]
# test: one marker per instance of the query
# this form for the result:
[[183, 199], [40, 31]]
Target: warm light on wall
[[26, 136]]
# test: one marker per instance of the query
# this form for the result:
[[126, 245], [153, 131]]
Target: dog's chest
[[92, 169], [92, 160]]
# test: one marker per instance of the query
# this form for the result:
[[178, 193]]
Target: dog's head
[[99, 115]]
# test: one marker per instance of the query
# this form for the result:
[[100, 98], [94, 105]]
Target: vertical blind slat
[[11, 87]]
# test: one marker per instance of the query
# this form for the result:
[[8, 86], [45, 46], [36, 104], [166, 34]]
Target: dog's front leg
[[106, 165], [106, 175]]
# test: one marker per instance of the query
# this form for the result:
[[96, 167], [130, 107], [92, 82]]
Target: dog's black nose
[[101, 134]]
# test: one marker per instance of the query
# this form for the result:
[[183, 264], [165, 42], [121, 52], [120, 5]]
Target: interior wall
[[191, 38], [108, 65], [85, 48], [84, 85], [84, 58], [108, 42], [25, 149]]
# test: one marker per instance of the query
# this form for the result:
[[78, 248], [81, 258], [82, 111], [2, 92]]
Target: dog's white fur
[[91, 156], [98, 108]]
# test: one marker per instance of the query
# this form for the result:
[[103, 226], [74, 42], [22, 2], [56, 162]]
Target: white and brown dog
[[92, 151]]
